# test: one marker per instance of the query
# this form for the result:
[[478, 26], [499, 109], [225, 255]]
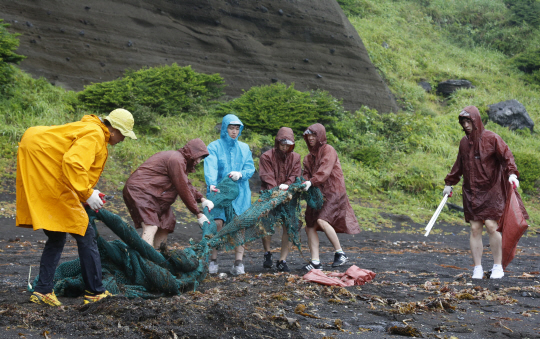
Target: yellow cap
[[122, 120]]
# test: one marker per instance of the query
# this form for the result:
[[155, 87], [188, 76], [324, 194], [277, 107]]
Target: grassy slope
[[418, 50]]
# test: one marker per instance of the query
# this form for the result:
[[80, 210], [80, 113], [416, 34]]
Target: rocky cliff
[[248, 42]]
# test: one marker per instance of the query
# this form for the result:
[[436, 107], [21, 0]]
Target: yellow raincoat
[[57, 168]]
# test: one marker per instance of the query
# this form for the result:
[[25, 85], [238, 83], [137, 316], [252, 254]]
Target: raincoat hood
[[96, 120], [284, 133], [194, 149], [478, 126], [230, 119], [320, 131]]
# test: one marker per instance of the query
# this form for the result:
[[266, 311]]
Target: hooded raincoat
[[323, 169], [57, 168], [227, 155], [276, 167], [485, 162], [154, 186]]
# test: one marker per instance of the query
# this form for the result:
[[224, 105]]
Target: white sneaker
[[478, 272], [237, 270], [497, 272], [213, 267]]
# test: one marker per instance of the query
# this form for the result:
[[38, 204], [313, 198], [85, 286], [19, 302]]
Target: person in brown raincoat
[[153, 187], [322, 169], [279, 166], [486, 164]]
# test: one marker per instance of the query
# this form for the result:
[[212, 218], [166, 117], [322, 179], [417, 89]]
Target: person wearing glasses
[[279, 166]]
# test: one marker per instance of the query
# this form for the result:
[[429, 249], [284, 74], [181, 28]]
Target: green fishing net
[[132, 267]]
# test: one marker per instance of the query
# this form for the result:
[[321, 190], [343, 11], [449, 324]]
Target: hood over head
[[285, 134], [230, 119], [320, 131], [472, 113], [193, 150]]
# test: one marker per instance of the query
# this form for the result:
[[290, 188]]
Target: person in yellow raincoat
[[57, 168]]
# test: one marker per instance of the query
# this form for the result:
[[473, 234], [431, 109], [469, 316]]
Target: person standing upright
[[232, 158], [487, 166], [322, 169], [279, 166]]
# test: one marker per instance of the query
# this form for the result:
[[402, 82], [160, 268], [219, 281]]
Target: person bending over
[[57, 168], [154, 186]]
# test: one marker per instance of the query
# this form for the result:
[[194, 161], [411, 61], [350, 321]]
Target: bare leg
[[239, 253], [330, 233], [266, 243], [495, 241], [285, 245], [475, 240], [313, 242], [219, 225], [160, 237], [149, 232]]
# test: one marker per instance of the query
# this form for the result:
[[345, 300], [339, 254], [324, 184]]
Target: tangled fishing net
[[134, 268]]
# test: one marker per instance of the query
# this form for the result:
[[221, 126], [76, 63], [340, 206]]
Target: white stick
[[436, 215], [29, 274]]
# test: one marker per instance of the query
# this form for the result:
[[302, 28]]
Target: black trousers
[[88, 256]]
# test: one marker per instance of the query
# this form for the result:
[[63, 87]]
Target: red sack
[[512, 225]]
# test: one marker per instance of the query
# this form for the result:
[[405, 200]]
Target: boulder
[[450, 86], [425, 85], [510, 113]]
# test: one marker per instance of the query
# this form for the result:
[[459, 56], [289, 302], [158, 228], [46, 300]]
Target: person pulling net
[[133, 267]]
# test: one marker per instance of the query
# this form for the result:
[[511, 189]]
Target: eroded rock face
[[510, 114], [248, 42]]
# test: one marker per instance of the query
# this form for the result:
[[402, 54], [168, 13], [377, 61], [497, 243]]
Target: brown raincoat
[[153, 187], [485, 162], [323, 169], [276, 167], [57, 168]]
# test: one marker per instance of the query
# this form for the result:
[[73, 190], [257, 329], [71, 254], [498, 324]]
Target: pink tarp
[[353, 276]]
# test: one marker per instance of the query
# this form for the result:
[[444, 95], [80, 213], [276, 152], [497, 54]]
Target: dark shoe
[[282, 266], [339, 259], [268, 260], [312, 266]]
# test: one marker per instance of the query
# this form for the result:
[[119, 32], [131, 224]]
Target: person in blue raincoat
[[229, 157]]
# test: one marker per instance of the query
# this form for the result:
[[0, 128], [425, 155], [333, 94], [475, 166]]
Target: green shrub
[[265, 109], [393, 131], [487, 23], [528, 165], [370, 156], [524, 11], [529, 63], [415, 180], [8, 45], [167, 90], [359, 8]]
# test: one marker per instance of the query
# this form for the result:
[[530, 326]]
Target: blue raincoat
[[227, 155]]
